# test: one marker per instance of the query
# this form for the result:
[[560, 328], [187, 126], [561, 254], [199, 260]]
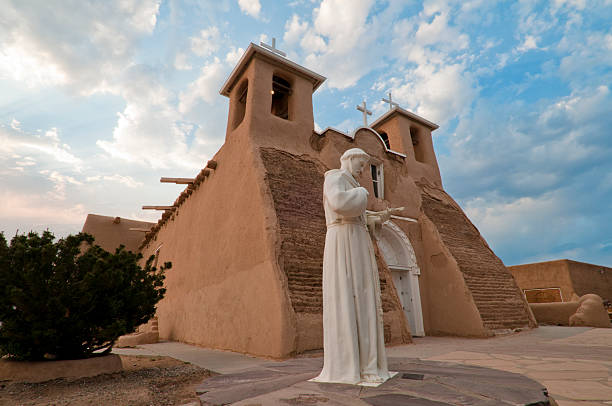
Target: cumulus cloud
[[206, 43], [181, 62], [16, 145], [234, 55], [338, 41], [250, 7], [85, 45], [533, 171], [294, 30], [205, 87], [529, 43], [37, 212], [148, 131]]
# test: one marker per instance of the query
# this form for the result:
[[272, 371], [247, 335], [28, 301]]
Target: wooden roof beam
[[158, 207], [178, 181]]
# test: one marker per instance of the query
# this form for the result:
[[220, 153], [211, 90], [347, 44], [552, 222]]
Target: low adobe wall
[[554, 313], [41, 371], [586, 312], [544, 275], [589, 278]]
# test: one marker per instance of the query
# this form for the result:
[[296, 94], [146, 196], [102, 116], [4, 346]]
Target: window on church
[[417, 145], [377, 181], [385, 138], [281, 91], [240, 107]]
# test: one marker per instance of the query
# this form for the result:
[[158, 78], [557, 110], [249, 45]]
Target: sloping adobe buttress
[[500, 302], [296, 185]]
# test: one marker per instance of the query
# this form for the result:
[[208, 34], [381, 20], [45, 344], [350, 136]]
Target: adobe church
[[246, 236]]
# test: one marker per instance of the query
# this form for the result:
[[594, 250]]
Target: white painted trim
[[413, 274], [409, 114], [353, 133], [553, 288], [248, 54]]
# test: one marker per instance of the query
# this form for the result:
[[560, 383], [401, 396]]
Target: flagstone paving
[[573, 363]]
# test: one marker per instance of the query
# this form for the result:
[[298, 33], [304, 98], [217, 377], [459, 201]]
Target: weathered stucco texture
[[111, 232], [571, 277], [225, 289]]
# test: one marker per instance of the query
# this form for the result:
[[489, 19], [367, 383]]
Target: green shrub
[[70, 298]]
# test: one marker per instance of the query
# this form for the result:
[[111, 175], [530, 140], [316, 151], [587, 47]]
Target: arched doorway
[[399, 256]]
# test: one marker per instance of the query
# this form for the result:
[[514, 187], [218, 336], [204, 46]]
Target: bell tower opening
[[385, 139], [281, 92], [417, 145], [240, 106]]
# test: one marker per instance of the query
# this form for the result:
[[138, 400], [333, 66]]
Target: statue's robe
[[353, 339]]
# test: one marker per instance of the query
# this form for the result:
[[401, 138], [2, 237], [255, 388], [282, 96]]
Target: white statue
[[353, 340]]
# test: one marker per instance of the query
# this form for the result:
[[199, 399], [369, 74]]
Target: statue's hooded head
[[354, 161]]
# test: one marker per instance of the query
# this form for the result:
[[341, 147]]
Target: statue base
[[363, 383]]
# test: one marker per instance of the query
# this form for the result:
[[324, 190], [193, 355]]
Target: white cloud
[[577, 4], [339, 42], [294, 30], [181, 62], [148, 131], [529, 43], [437, 92], [250, 7], [32, 67], [122, 179], [38, 208], [586, 58], [59, 183], [439, 32], [47, 147], [85, 46], [206, 43], [234, 55], [205, 87]]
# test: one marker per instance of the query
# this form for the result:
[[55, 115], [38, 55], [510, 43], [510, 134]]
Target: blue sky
[[99, 100]]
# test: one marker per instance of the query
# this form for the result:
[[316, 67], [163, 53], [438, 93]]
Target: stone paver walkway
[[573, 363]]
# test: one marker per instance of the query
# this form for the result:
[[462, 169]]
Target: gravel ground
[[154, 381]]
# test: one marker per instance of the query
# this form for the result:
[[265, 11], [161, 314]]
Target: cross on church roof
[[391, 102], [273, 47], [365, 111]]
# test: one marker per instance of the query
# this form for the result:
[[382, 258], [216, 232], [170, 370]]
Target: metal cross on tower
[[365, 111], [391, 102], [273, 47]]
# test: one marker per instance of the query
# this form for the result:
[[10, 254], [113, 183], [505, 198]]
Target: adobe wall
[[589, 278], [110, 232], [551, 274], [225, 290], [398, 131], [555, 313]]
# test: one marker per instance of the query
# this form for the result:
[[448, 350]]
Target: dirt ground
[[155, 381]]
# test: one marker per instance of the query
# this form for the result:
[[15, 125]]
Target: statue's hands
[[384, 215]]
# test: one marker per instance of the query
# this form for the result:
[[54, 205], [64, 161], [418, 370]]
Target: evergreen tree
[[70, 298]]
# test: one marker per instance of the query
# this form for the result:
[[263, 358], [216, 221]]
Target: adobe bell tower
[[270, 99], [410, 134]]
